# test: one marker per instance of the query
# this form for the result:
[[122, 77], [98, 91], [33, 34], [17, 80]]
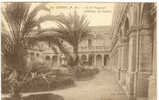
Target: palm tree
[[19, 21], [53, 41], [72, 29]]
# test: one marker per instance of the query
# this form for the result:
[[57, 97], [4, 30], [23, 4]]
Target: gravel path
[[102, 87]]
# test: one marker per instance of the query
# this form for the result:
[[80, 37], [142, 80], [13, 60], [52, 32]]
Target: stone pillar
[[102, 64], [95, 63], [140, 52], [59, 59], [144, 63], [145, 54], [119, 61], [124, 61], [140, 63], [111, 62], [131, 64], [116, 62], [153, 77], [87, 57]]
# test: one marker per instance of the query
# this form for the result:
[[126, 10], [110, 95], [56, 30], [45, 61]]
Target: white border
[[91, 1], [79, 1], [157, 51]]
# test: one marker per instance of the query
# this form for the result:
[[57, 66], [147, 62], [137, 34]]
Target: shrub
[[54, 78], [85, 71]]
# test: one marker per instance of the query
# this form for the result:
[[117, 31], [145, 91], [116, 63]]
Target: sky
[[99, 14]]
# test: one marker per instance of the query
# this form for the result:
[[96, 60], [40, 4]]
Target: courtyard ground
[[102, 87]]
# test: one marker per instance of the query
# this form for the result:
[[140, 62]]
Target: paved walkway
[[102, 87]]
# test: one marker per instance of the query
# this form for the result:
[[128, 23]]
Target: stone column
[[131, 64], [143, 67], [102, 65], [116, 63], [111, 62], [153, 77], [140, 63], [124, 60], [87, 57], [145, 54], [119, 61], [95, 63], [59, 59]]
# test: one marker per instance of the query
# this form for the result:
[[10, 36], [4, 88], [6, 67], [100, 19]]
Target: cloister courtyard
[[79, 51]]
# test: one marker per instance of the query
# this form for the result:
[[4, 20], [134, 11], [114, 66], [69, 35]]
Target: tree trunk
[[20, 68], [76, 58]]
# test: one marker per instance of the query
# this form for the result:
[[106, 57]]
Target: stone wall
[[134, 46]]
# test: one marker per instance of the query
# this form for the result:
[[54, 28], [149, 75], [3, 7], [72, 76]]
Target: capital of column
[[122, 44], [124, 69], [135, 28], [124, 39]]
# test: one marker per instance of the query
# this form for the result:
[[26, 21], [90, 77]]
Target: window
[[89, 43]]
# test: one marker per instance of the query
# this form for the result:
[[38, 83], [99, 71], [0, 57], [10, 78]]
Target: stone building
[[133, 51], [93, 51]]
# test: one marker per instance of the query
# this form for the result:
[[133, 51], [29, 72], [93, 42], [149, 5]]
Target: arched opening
[[83, 59], [47, 58], [37, 54], [99, 60], [105, 60], [126, 25], [54, 60], [91, 59], [32, 55], [89, 43]]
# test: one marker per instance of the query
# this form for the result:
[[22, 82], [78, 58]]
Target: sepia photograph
[[78, 50]]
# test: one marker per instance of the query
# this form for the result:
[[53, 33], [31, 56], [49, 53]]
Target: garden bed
[[57, 79]]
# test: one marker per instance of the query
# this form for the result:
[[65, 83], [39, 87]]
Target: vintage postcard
[[78, 51]]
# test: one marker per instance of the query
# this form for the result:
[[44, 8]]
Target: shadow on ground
[[38, 97]]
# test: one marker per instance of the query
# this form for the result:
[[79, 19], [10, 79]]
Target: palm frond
[[74, 27], [47, 18], [54, 40], [30, 21]]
